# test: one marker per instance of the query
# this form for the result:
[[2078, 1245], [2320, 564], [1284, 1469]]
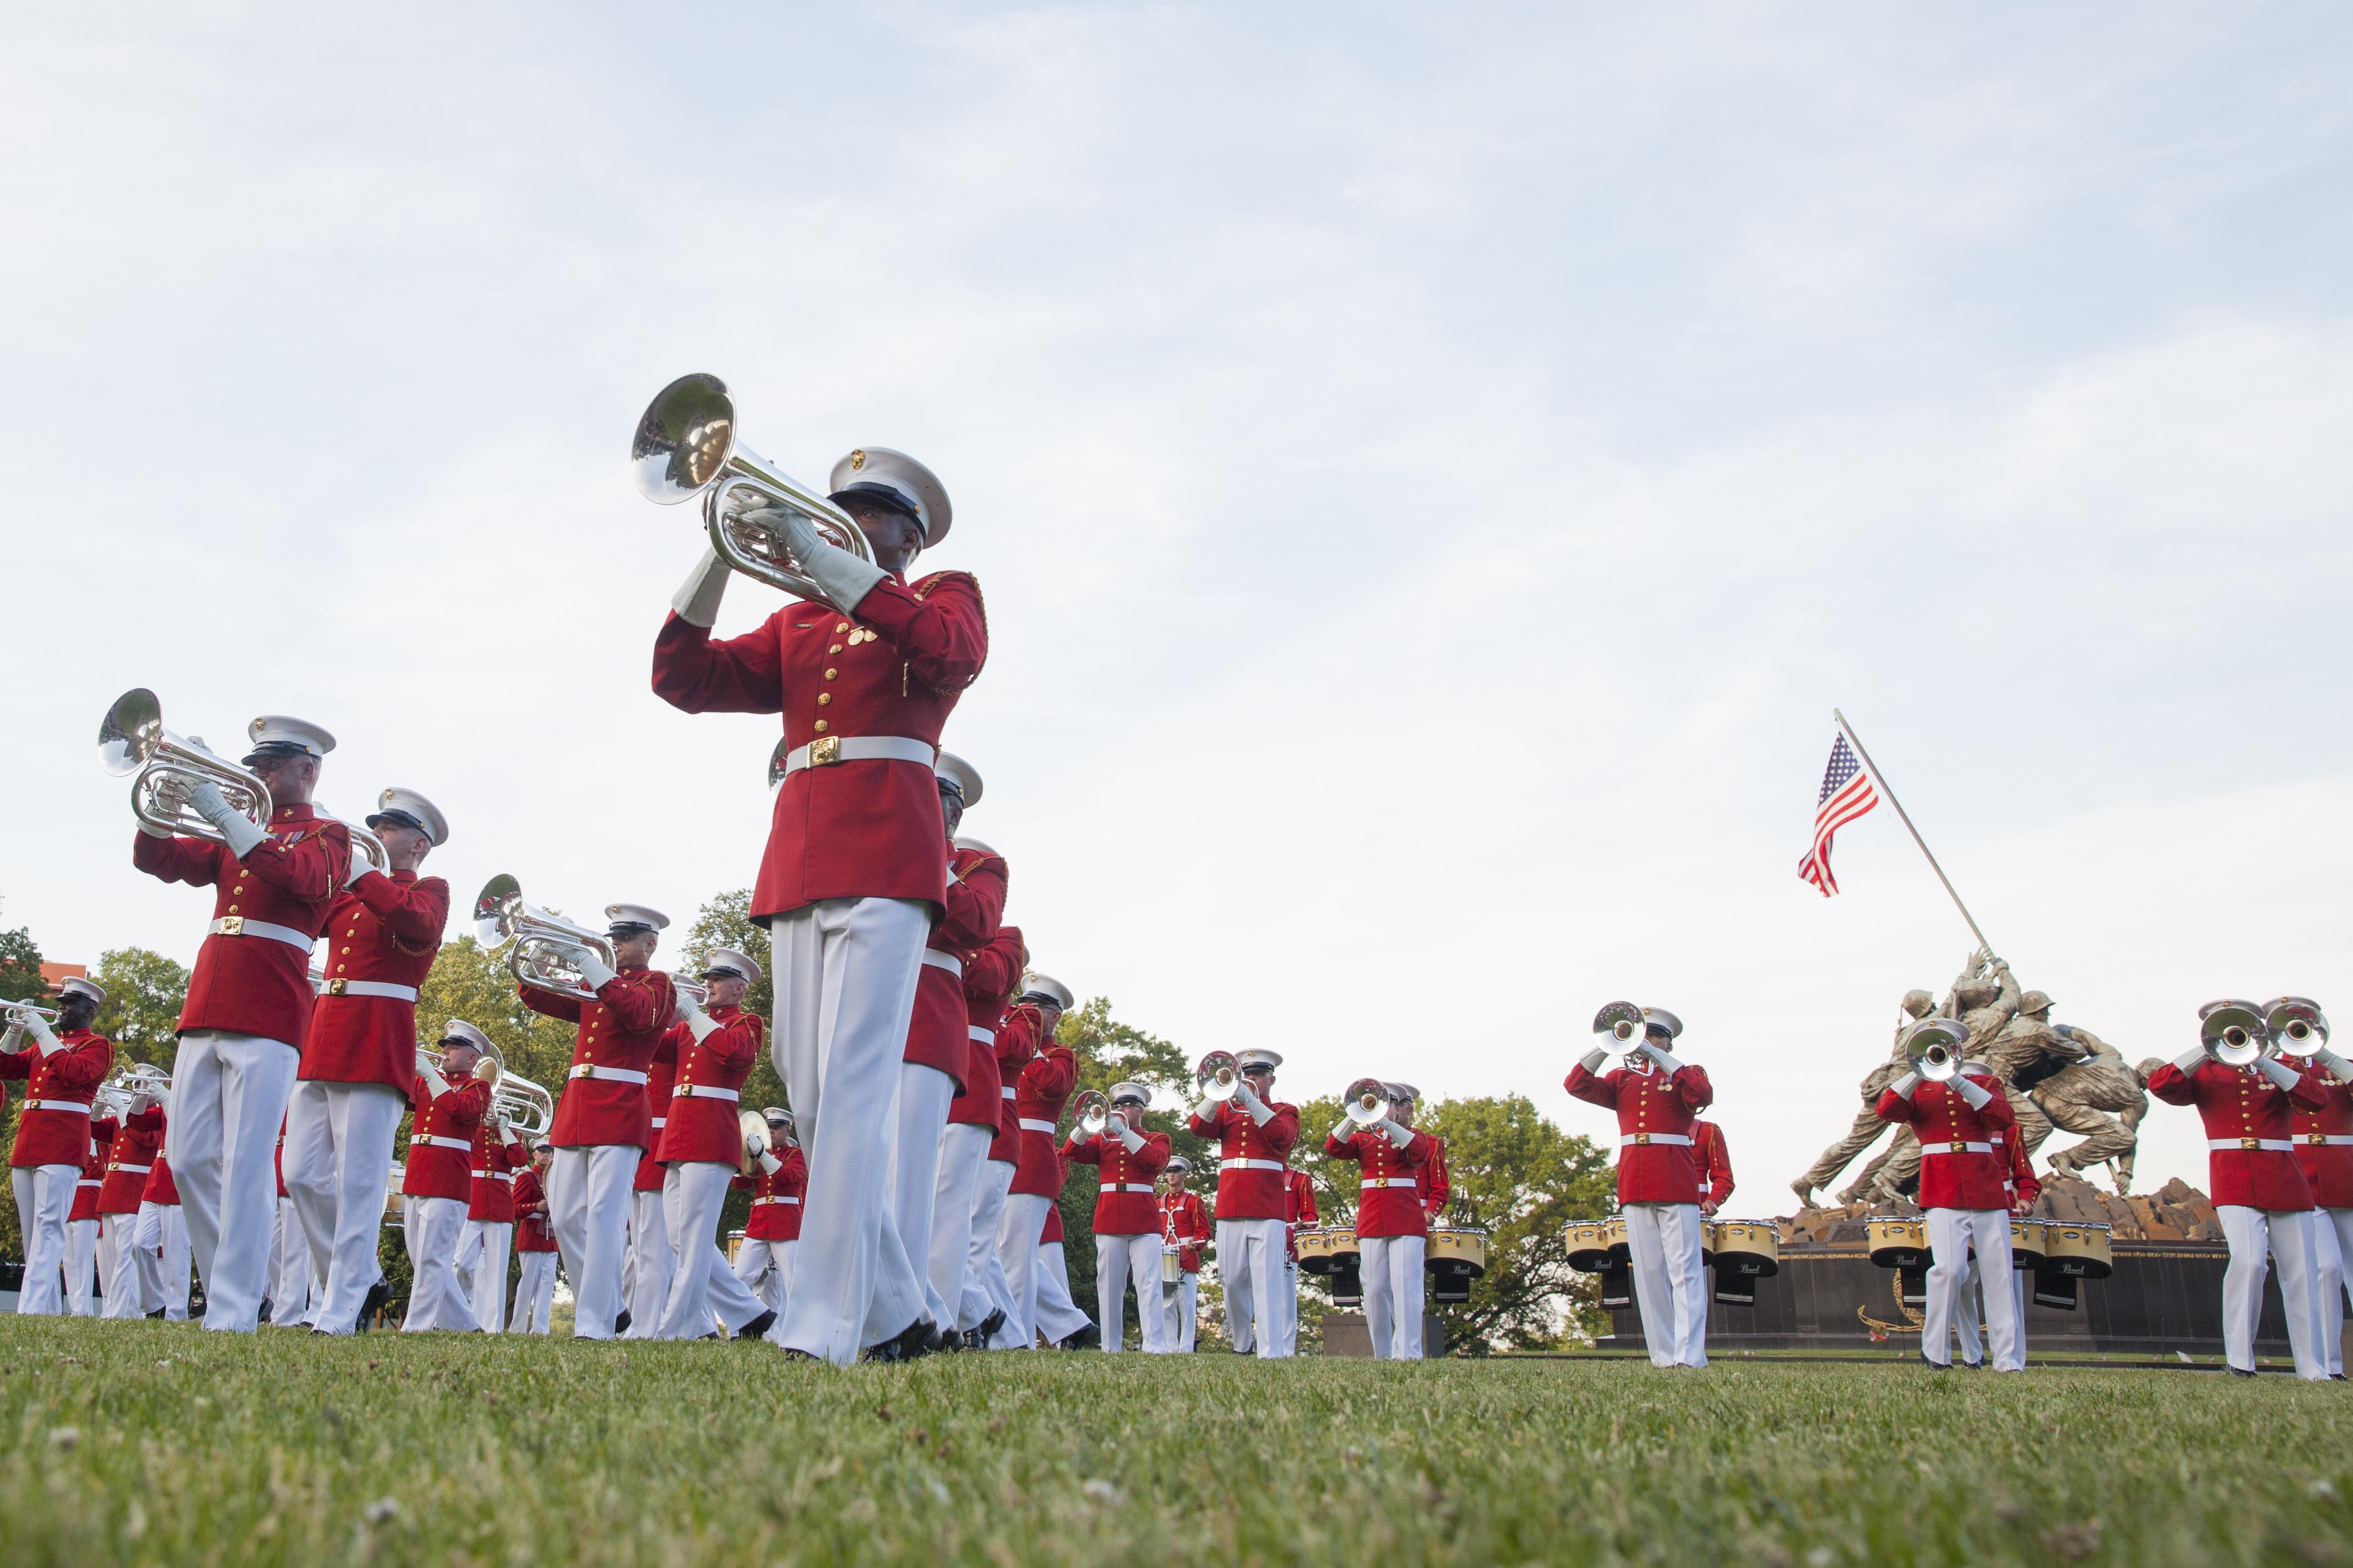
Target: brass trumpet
[[1220, 1076], [1934, 1047], [685, 446], [1092, 1113], [544, 944], [132, 739], [117, 1093]]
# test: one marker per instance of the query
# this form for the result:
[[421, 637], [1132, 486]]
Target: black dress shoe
[[157, 1314], [757, 1326], [916, 1339], [2337, 1377], [1084, 1338], [265, 1311], [1972, 1365], [621, 1323], [792, 1354], [988, 1329], [2242, 1372], [377, 1295], [1934, 1365]]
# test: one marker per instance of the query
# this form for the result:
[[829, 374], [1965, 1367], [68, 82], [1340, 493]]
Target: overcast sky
[[1433, 472]]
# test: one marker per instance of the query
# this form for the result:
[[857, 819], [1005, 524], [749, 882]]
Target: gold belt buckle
[[232, 925], [335, 987], [2315, 1137], [825, 750], [2250, 1142], [1956, 1148], [1641, 1139]]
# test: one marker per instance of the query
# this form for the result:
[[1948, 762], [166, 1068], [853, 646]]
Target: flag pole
[[1855, 741]]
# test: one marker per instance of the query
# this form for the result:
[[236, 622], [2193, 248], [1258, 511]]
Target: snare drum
[[1457, 1248], [392, 1197], [1613, 1232], [2028, 1242], [1898, 1241], [2078, 1251], [1706, 1242], [1314, 1252], [1172, 1271], [1748, 1248], [1588, 1250], [734, 1247]]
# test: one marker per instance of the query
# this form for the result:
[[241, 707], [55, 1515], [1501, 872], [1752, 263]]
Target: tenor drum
[[735, 1246], [1707, 1228], [2029, 1242], [1748, 1248], [392, 1207], [1172, 1271], [2078, 1251], [1322, 1249], [1899, 1241], [1459, 1247], [1613, 1232], [1588, 1248]]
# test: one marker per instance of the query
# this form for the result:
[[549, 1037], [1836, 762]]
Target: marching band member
[[701, 1150], [1127, 1215], [359, 1057], [773, 1229], [1656, 1098], [2261, 1195], [602, 1124], [2022, 1189], [248, 1004], [1255, 1134], [489, 1238], [1299, 1204], [62, 1069], [853, 879], [81, 1224], [1712, 1161], [128, 1161], [1392, 1226], [293, 1287], [1966, 1192], [1040, 1094], [534, 1243], [2323, 1147], [1060, 1322], [450, 1104], [160, 1246], [965, 1268], [1185, 1230], [651, 1258]]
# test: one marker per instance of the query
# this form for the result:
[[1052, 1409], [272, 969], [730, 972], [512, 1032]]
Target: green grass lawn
[[147, 1442]]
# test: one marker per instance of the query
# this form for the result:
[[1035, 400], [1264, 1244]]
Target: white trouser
[[845, 980], [493, 1241], [82, 1267], [2332, 1238], [1951, 1234], [652, 1263], [536, 1295], [1178, 1304], [1120, 1260], [1290, 1306], [339, 1139], [470, 1252], [1392, 1269], [704, 1291], [964, 1150], [431, 1227], [924, 1095], [1251, 1266], [1017, 1243], [2287, 1237], [162, 1256], [293, 1287], [114, 1264], [44, 1195], [985, 1287], [588, 1209], [766, 1268], [1669, 1283], [1057, 1316], [229, 1094]]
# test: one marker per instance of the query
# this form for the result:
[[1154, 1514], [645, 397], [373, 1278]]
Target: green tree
[[144, 994]]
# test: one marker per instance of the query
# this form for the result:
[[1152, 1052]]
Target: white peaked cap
[[1130, 1094], [458, 1029], [895, 474], [637, 914], [75, 986], [415, 810], [1259, 1056], [1047, 985], [961, 773], [965, 841], [277, 732], [743, 963], [1659, 1018]]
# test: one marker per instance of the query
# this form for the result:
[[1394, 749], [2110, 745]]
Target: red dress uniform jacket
[[383, 930], [703, 1110], [2324, 1142], [247, 982], [1655, 1113], [1019, 1033], [1127, 1202], [1388, 1185], [160, 1188], [53, 1124], [1299, 1199], [939, 1034], [2022, 1186], [532, 1233], [604, 1098], [441, 1143], [93, 1172], [776, 1197], [866, 828], [1960, 1166], [1251, 1160], [1437, 1184], [130, 1161], [1039, 1096], [1712, 1162], [2253, 1119], [491, 1185], [1185, 1226], [990, 973], [659, 1079]]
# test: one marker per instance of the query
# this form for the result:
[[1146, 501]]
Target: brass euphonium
[[132, 739], [2298, 1027], [1934, 1045], [2232, 1032], [1366, 1102], [685, 446], [545, 945], [1220, 1076], [1617, 1028]]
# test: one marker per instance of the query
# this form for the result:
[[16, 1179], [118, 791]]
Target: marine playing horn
[[1617, 1028], [1934, 1047], [2297, 1025], [2232, 1033], [1366, 1102]]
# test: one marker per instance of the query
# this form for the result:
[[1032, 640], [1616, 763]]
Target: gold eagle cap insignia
[[857, 460]]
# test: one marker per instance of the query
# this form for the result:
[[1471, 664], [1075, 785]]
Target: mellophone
[[1742, 1251]]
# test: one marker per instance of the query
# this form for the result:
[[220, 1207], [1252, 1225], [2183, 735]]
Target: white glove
[[142, 1103], [1591, 1060], [770, 1164], [1129, 1136], [433, 1082], [2278, 1071], [1398, 1134], [594, 971], [701, 1024], [1978, 1098], [361, 864], [1907, 1084], [12, 1039], [231, 825], [1662, 1057], [2333, 1062], [1343, 1131], [2191, 1061], [1207, 1110], [1254, 1105], [844, 577], [696, 599], [152, 831]]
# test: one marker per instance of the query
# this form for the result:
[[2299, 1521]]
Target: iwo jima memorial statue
[[2104, 1272]]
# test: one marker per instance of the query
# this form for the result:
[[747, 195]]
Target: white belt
[[947, 960], [1251, 1165], [1007, 1091], [237, 925], [985, 1037], [660, 1121], [129, 1170], [1635, 1140], [2331, 1139], [757, 1201], [826, 750], [1126, 1188], [465, 1143], [73, 1105], [617, 1074], [1386, 1182], [1032, 1124], [507, 1176], [704, 1091], [1965, 1147], [370, 988], [90, 1182], [2281, 1144]]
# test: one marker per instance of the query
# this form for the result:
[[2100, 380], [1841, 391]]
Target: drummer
[[1714, 1163]]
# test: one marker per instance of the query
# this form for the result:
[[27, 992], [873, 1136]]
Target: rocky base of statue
[[2175, 1212]]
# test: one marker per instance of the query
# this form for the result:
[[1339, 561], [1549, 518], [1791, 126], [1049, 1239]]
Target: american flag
[[1846, 794]]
